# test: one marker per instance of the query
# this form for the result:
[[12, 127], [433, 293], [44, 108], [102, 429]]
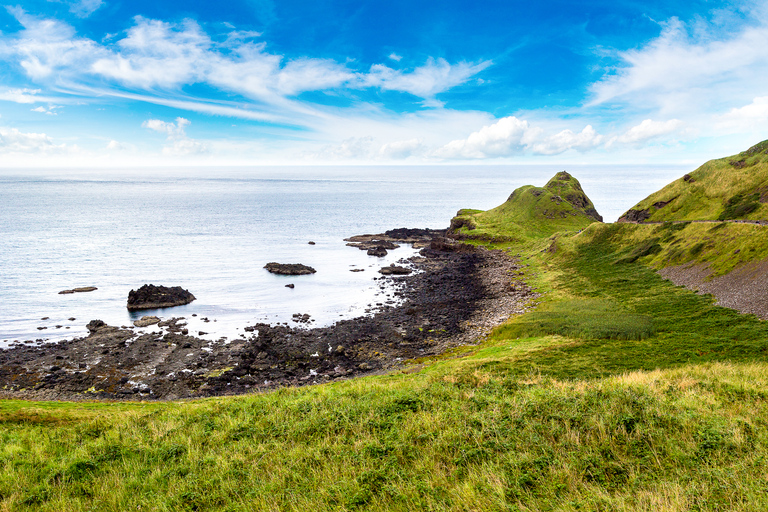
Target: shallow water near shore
[[212, 231]]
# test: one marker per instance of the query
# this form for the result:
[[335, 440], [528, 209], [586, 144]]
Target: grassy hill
[[735, 187], [620, 391], [532, 212]]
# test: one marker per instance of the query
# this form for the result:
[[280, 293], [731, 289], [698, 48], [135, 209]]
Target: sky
[[261, 82]]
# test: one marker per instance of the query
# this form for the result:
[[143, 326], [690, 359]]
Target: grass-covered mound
[[531, 212], [735, 187]]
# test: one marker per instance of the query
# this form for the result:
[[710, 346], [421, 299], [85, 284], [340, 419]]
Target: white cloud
[[177, 142], [689, 69], [160, 55], [434, 77], [402, 149], [84, 8], [648, 130], [20, 95], [154, 54], [565, 140], [14, 141], [46, 46], [511, 136], [395, 57], [353, 148], [51, 110], [185, 147], [755, 111], [507, 136]]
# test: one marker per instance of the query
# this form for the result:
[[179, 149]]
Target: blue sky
[[118, 82]]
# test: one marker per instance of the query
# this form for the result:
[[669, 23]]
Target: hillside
[[735, 187], [532, 212], [618, 391]]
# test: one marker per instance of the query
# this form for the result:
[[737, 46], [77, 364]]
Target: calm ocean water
[[212, 231]]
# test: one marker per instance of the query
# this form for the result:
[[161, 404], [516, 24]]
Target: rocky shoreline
[[456, 294]]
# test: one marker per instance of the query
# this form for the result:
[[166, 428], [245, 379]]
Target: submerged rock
[[150, 296], [289, 269], [78, 290], [378, 251]]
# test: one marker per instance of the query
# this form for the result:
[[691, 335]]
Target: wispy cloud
[[647, 130], [177, 142], [688, 68], [157, 55], [84, 8], [434, 77]]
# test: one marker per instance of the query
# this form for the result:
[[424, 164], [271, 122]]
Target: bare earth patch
[[744, 289]]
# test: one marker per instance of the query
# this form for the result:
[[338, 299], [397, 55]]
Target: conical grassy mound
[[735, 187], [532, 212]]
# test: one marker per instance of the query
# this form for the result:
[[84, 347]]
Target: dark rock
[[289, 269], [95, 325], [635, 216], [78, 290], [291, 286], [146, 320], [310, 243], [689, 179], [150, 296], [394, 270], [377, 251]]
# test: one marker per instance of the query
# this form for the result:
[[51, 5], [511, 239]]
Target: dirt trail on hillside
[[744, 289]]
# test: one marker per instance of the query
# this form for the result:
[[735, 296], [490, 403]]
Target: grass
[[619, 392], [462, 436], [720, 246], [530, 213], [735, 187]]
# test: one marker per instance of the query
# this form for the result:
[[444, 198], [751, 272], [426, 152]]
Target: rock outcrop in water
[[289, 269], [150, 296], [78, 290]]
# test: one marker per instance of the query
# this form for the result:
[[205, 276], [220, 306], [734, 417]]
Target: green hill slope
[[735, 187], [532, 212]]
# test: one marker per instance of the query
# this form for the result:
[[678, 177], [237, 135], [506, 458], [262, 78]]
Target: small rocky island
[[150, 296], [289, 269]]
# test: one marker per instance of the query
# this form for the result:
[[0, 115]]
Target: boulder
[[394, 270], [378, 251], [95, 325], [150, 296], [146, 320], [289, 269]]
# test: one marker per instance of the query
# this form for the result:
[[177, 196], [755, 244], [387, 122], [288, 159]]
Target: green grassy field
[[619, 392]]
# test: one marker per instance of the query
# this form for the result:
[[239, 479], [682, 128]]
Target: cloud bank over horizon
[[94, 81]]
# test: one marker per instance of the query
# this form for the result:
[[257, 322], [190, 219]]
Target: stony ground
[[743, 289], [455, 295]]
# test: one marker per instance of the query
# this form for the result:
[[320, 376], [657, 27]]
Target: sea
[[211, 230]]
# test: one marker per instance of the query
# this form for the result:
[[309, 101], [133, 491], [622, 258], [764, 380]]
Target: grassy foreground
[[620, 392]]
